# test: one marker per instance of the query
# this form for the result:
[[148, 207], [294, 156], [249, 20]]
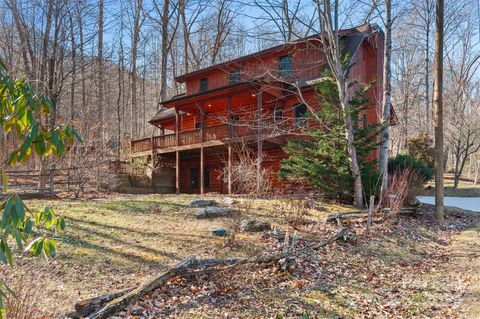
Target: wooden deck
[[212, 136]]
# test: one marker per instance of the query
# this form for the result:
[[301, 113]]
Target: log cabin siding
[[215, 164], [307, 63]]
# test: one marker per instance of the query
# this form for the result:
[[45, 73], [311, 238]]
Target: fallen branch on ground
[[186, 267], [87, 306], [333, 218], [348, 216]]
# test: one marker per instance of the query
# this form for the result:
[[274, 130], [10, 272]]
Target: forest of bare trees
[[107, 73]]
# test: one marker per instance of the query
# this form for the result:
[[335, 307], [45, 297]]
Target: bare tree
[[101, 117], [438, 105], [384, 137], [137, 23], [166, 17]]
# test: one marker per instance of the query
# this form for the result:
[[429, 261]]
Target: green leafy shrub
[[404, 161], [23, 112], [420, 148]]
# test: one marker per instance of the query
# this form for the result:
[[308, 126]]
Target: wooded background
[[108, 64]]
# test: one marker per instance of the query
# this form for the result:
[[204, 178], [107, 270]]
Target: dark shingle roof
[[164, 114]]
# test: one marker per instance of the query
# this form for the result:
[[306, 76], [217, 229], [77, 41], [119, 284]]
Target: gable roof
[[164, 113], [352, 38]]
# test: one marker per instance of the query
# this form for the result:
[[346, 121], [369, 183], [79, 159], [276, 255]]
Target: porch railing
[[212, 133]]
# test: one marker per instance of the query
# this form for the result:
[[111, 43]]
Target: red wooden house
[[260, 99]]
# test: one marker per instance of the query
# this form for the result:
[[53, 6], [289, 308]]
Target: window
[[277, 115], [300, 120], [194, 180], [285, 66], [234, 76], [198, 125], [364, 120], [203, 84]]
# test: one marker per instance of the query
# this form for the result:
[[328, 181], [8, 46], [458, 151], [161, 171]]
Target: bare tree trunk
[[43, 179], [135, 40], [385, 139], [74, 70], [46, 41], [181, 12], [427, 72], [100, 139], [100, 74], [119, 118], [438, 106], [83, 108], [477, 172], [165, 49]]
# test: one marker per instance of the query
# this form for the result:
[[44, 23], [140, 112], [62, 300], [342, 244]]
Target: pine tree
[[322, 160]]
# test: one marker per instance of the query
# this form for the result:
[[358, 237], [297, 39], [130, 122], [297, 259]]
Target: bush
[[418, 173], [420, 148], [402, 162]]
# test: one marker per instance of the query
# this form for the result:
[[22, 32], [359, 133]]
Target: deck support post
[[259, 140], [202, 123], [230, 133], [152, 144], [177, 125], [229, 168], [202, 171], [177, 172], [229, 117], [202, 158]]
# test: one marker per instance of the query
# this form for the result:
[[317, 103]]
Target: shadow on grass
[[188, 241], [103, 250], [110, 226], [132, 207], [126, 243]]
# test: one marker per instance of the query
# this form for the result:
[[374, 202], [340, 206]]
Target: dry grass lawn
[[116, 242], [465, 188], [465, 267], [409, 267]]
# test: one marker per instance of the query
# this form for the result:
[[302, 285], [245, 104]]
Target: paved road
[[470, 203]]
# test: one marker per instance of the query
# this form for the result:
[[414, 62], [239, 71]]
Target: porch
[[193, 139], [209, 169]]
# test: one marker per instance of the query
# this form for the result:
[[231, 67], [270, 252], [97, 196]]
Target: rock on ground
[[252, 225], [219, 231], [228, 201], [203, 203], [212, 212]]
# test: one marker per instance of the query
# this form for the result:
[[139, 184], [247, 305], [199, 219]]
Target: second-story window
[[285, 66], [203, 84], [277, 115], [235, 76], [300, 120]]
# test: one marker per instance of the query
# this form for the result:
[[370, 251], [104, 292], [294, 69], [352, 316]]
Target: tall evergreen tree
[[322, 160]]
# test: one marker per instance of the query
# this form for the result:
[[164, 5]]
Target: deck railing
[[212, 133], [142, 145]]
